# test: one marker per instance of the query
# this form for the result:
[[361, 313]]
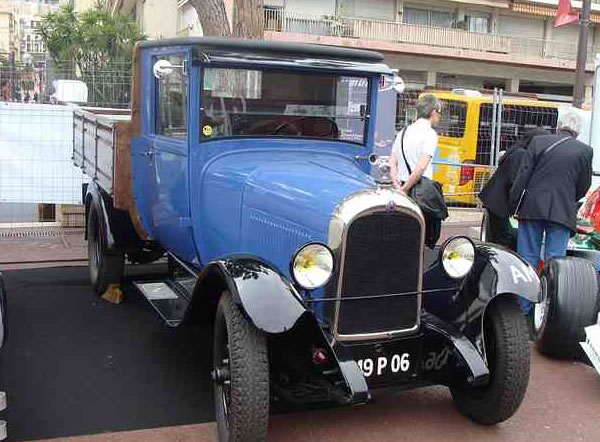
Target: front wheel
[[240, 376], [508, 358]]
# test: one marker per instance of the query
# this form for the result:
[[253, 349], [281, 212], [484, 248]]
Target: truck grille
[[382, 257]]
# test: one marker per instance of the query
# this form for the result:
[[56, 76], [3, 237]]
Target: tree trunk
[[213, 17], [248, 19]]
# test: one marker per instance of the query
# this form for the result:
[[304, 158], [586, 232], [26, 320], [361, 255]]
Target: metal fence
[[516, 49], [474, 131], [38, 183]]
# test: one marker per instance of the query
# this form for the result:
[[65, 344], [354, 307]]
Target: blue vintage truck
[[249, 164]]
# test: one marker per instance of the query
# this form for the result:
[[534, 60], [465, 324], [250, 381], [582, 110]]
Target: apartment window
[[172, 100], [426, 17], [273, 16], [477, 23]]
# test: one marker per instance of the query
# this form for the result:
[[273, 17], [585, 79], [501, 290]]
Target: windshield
[[258, 103]]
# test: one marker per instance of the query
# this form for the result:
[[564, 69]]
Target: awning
[[544, 11]]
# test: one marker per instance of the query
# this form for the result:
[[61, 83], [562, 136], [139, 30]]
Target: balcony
[[391, 36]]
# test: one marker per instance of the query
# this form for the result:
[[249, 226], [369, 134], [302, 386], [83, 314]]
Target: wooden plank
[[122, 171], [134, 130]]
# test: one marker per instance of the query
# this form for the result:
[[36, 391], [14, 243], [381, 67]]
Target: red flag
[[566, 14]]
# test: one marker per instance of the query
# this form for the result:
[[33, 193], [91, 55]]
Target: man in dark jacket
[[495, 194], [554, 175]]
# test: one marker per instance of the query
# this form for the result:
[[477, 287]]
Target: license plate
[[389, 362]]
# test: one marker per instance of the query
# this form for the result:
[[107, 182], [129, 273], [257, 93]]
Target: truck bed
[[102, 149]]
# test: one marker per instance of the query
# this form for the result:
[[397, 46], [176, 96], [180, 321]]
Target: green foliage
[[94, 46], [91, 39]]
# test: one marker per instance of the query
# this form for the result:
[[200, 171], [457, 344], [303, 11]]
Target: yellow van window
[[453, 120]]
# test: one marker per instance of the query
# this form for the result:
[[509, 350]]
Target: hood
[[268, 202]]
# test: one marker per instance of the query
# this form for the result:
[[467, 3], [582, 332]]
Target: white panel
[[311, 7], [521, 27], [36, 144]]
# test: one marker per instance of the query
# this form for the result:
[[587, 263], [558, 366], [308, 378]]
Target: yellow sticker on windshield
[[207, 131]]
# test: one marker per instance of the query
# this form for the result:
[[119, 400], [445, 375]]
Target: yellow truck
[[465, 157]]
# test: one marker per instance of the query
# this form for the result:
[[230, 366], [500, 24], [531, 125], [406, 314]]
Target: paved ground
[[76, 365]]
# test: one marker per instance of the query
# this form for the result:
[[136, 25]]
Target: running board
[[171, 296]]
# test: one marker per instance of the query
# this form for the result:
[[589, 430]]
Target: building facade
[[479, 44], [25, 45]]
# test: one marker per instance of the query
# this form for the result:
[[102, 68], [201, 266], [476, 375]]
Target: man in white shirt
[[420, 142]]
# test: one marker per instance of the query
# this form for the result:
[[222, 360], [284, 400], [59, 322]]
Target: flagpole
[[584, 22]]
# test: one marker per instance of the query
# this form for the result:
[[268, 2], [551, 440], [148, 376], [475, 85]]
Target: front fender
[[265, 297], [496, 272]]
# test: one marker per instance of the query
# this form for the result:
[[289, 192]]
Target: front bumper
[[438, 354]]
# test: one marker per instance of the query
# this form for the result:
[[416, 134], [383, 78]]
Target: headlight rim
[[443, 248], [295, 255]]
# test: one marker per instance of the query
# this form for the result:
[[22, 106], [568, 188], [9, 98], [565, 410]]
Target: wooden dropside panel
[[134, 129], [123, 196]]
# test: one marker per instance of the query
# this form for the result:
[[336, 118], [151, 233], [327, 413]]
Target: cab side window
[[171, 100]]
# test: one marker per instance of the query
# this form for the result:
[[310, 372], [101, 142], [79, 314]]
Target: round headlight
[[458, 256], [312, 266]]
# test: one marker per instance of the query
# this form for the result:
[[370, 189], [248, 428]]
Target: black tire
[[105, 268], [570, 305], [242, 406], [508, 355]]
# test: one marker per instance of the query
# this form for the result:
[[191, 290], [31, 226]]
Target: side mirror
[[398, 84], [162, 69]]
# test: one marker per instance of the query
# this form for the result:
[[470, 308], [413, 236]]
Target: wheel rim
[[540, 310], [221, 372], [94, 249]]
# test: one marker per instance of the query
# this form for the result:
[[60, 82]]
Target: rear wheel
[[508, 358], [240, 375], [570, 287], [105, 268]]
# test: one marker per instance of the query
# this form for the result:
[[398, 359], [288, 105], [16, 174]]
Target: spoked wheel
[[105, 268], [240, 375], [508, 358]]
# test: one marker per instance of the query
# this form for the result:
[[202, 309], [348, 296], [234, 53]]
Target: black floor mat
[[74, 364]]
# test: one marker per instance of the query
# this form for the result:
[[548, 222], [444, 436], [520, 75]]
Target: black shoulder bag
[[426, 193], [544, 152]]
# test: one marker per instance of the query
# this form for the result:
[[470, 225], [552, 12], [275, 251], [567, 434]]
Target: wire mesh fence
[[38, 182], [475, 129]]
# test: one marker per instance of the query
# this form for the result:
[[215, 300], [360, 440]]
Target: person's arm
[[394, 162], [584, 180], [417, 173]]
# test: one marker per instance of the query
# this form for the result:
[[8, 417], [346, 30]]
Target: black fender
[[265, 296], [497, 271], [116, 228]]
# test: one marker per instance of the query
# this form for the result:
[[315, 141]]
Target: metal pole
[[493, 128], [584, 22], [499, 126]]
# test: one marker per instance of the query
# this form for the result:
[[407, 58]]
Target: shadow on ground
[[75, 364]]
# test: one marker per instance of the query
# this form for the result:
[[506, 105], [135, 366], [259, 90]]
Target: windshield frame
[[369, 76]]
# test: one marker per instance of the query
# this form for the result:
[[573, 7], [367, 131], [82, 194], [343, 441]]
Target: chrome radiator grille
[[382, 257]]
